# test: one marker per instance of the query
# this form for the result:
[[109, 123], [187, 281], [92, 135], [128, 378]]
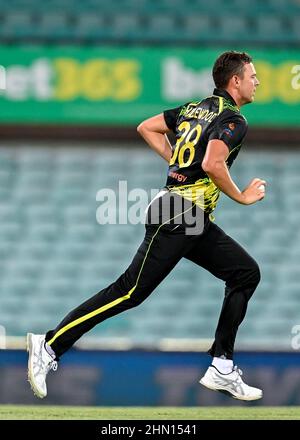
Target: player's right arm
[[154, 131], [214, 164]]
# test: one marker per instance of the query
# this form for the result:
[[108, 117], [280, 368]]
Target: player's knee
[[255, 274], [136, 300], [251, 276], [134, 303], [248, 276]]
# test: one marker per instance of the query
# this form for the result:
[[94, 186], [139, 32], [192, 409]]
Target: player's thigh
[[159, 253], [220, 254]]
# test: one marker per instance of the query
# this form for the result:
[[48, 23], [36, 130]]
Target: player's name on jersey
[[200, 113]]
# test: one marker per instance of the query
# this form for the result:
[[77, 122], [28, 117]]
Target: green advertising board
[[122, 86]]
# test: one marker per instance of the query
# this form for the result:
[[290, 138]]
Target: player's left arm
[[154, 130], [226, 136]]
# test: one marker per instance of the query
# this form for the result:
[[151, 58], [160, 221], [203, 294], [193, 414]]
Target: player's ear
[[236, 80]]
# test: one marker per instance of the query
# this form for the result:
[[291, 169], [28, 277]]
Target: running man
[[209, 134]]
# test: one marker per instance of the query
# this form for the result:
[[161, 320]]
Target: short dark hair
[[229, 64]]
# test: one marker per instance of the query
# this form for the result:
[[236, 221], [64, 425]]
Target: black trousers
[[164, 245]]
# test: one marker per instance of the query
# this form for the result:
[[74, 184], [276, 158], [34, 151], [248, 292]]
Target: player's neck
[[235, 96]]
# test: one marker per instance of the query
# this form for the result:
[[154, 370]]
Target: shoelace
[[239, 372]]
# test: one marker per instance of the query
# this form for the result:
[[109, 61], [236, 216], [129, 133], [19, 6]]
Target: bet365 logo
[[296, 77]]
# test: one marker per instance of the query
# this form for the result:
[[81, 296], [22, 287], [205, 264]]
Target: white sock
[[49, 350], [225, 366]]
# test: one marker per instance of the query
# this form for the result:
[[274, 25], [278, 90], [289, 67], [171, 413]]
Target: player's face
[[248, 84]]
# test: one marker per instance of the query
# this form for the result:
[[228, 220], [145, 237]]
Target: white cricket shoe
[[40, 362], [231, 383]]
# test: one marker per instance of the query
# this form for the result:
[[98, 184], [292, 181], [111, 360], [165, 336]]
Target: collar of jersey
[[224, 94]]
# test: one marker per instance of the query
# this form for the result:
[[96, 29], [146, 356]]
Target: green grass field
[[18, 412]]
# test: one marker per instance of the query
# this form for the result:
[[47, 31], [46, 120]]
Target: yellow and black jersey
[[194, 125]]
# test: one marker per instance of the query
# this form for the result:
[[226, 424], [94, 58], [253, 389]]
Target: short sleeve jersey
[[194, 125]]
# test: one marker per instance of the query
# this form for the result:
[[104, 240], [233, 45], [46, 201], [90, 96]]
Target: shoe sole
[[230, 393], [29, 371]]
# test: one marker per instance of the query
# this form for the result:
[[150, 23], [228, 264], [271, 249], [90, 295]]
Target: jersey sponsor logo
[[177, 176]]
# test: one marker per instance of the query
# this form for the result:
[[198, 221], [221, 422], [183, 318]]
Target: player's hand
[[254, 192]]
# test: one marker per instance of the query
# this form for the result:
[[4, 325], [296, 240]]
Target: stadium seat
[[270, 28], [54, 26], [54, 254], [17, 24], [156, 21], [198, 27], [91, 26], [232, 27]]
